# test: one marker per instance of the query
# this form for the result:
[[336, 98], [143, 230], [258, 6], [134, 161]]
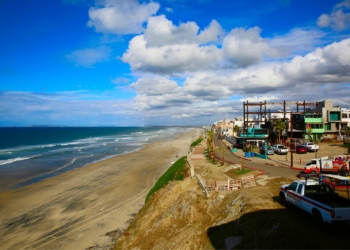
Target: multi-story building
[[323, 121]]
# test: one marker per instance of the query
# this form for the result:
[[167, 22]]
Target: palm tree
[[309, 133], [223, 151], [279, 126], [210, 150]]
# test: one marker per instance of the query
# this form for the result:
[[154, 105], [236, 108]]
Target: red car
[[300, 149]]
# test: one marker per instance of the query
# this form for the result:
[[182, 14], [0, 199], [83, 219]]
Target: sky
[[167, 62]]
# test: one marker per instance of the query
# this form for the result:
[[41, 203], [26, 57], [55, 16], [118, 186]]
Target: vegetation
[[210, 149], [223, 151], [236, 128], [195, 143], [279, 126], [175, 172], [243, 171], [309, 133], [248, 149]]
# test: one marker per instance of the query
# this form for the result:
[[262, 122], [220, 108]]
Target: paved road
[[269, 170]]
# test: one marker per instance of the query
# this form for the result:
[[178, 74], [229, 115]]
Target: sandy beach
[[75, 210]]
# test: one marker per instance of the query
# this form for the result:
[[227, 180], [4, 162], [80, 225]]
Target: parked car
[[311, 146], [269, 150], [301, 149], [280, 149]]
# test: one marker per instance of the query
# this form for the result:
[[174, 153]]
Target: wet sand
[[75, 210]]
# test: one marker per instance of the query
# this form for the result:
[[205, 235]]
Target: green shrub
[[243, 171], [195, 143], [175, 172]]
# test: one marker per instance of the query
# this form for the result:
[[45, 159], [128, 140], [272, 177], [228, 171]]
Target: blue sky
[[133, 63]]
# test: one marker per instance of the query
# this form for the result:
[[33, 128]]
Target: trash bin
[[247, 154], [252, 154]]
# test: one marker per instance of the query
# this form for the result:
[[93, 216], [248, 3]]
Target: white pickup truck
[[311, 147], [318, 198], [280, 149]]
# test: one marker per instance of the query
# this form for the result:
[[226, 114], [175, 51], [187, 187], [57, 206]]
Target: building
[[323, 121]]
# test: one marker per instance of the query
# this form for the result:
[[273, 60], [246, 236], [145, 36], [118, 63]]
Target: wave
[[5, 152], [4, 162]]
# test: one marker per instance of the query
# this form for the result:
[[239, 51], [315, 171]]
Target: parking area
[[326, 149]]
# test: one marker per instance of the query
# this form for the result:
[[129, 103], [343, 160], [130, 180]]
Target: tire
[[317, 218], [313, 172], [283, 200]]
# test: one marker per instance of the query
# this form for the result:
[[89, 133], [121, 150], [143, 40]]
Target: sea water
[[31, 154]]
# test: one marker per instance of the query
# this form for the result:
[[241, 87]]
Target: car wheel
[[313, 172], [283, 200], [317, 218]]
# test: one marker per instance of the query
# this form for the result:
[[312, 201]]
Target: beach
[[75, 210]]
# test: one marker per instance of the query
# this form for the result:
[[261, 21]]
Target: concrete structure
[[323, 121]]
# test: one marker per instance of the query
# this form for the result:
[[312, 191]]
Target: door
[[292, 195]]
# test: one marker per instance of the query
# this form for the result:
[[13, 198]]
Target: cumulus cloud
[[245, 47], [170, 59], [121, 16], [293, 80], [338, 19], [161, 32], [155, 87], [90, 56], [330, 64]]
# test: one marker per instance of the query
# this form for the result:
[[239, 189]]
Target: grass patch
[[195, 143], [175, 172], [243, 171]]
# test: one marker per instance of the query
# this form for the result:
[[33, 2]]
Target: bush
[[195, 143], [175, 172]]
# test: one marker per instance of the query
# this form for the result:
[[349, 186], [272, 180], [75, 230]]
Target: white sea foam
[[5, 152], [8, 161]]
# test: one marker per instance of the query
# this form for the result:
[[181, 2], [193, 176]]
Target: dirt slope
[[180, 217]]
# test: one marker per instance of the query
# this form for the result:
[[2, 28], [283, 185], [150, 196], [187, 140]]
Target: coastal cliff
[[180, 216]]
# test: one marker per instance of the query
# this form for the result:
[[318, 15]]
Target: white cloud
[[170, 59], [121, 16], [154, 87], [296, 41], [338, 19], [245, 47], [89, 57], [161, 32], [325, 65]]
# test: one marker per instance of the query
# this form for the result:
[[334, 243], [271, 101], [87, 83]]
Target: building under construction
[[258, 119]]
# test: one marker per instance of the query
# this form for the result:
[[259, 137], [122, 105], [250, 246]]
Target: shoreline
[[77, 208], [12, 181]]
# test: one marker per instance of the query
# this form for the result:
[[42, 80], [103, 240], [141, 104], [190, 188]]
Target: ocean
[[31, 154]]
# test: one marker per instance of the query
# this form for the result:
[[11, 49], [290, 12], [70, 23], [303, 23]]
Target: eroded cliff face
[[180, 216]]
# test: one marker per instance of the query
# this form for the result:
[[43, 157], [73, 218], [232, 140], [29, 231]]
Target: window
[[344, 115], [293, 186], [334, 116], [299, 189], [316, 126]]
